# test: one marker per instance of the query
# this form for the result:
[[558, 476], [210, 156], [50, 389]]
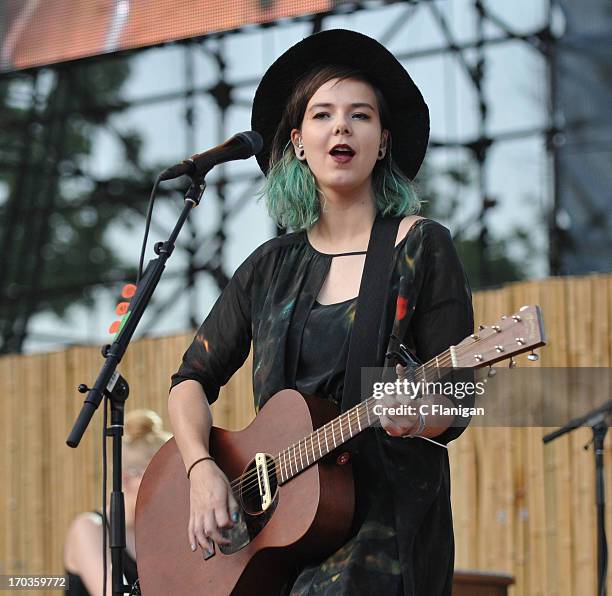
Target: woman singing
[[345, 131]]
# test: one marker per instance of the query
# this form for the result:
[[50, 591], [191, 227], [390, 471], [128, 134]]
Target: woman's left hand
[[399, 424]]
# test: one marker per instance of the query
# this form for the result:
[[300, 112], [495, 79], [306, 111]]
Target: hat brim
[[408, 111]]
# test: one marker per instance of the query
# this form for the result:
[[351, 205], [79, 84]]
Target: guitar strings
[[299, 449], [360, 412], [249, 481], [344, 422], [284, 470]]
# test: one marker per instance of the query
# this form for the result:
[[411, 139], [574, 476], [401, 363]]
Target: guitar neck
[[512, 335], [338, 431]]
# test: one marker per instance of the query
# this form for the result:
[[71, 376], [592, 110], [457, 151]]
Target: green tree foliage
[[54, 215]]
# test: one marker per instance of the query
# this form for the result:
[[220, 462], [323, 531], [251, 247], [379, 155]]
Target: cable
[[147, 226]]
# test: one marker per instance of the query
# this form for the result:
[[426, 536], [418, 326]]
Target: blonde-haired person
[[143, 436]]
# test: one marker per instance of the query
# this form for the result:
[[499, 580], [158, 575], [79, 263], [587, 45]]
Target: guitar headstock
[[512, 335]]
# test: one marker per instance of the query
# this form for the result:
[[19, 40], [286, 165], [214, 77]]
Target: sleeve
[[223, 341], [443, 314]]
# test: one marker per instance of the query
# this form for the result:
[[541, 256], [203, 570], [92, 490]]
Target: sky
[[516, 87]]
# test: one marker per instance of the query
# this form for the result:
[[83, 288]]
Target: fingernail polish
[[235, 516]]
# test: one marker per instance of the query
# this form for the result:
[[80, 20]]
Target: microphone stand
[[108, 379], [596, 419]]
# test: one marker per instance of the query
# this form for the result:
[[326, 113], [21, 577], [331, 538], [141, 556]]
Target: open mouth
[[342, 153]]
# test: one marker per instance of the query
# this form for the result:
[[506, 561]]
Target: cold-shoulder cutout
[[406, 226]]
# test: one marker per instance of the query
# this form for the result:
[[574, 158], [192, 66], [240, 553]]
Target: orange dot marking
[[128, 290]]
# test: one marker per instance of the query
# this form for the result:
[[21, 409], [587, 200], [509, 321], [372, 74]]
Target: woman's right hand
[[212, 506]]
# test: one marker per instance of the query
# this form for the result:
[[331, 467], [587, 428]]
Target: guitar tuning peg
[[512, 363], [481, 327], [491, 372], [533, 356]]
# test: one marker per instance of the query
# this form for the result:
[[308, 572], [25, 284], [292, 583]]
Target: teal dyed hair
[[292, 196], [290, 190], [291, 193]]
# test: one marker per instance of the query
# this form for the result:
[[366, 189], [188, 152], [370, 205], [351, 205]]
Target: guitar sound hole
[[250, 494]]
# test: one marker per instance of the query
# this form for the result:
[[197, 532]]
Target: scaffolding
[[24, 284]]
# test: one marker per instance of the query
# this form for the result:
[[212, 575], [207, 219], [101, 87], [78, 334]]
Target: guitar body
[[309, 518], [309, 515]]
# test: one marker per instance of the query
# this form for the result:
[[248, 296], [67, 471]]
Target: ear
[[296, 141], [384, 142], [384, 139]]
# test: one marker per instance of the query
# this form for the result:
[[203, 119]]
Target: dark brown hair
[[305, 88]]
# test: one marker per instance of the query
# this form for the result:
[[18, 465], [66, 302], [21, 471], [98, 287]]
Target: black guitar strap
[[373, 292]]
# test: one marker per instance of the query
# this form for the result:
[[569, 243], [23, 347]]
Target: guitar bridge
[[257, 503], [263, 479]]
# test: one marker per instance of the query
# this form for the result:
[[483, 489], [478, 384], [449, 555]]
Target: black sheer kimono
[[402, 539]]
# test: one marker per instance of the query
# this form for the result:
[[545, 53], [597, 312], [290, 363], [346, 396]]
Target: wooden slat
[[558, 455], [520, 507], [6, 457]]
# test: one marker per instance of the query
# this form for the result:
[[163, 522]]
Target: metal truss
[[33, 202]]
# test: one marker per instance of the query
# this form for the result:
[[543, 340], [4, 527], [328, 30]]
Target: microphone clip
[[197, 188]]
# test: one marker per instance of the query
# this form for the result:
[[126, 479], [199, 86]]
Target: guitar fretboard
[[338, 431]]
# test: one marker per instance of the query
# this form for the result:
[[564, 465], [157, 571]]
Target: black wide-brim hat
[[408, 110]]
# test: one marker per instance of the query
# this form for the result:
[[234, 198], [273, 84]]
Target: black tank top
[[324, 350], [76, 587]]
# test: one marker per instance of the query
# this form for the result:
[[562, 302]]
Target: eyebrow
[[359, 104]]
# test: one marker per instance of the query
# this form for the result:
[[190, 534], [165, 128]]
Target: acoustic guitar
[[290, 476]]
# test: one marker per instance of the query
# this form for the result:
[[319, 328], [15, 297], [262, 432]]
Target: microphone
[[241, 146]]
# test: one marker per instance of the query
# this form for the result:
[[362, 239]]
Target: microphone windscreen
[[253, 139]]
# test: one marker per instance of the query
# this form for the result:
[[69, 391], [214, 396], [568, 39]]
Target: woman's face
[[341, 135]]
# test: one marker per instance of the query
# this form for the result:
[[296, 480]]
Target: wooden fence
[[519, 506]]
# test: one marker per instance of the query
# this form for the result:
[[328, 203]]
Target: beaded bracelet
[[197, 461]]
